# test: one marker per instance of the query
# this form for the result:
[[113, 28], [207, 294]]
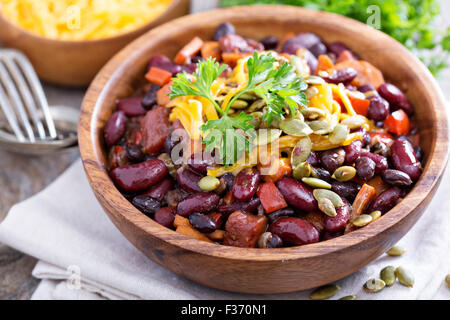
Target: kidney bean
[[115, 128], [188, 180], [146, 204], [318, 49], [395, 97], [381, 162], [365, 168], [201, 202], [202, 223], [368, 88], [285, 212], [294, 231], [165, 216], [170, 142], [337, 48], [269, 43], [322, 174], [229, 178], [275, 242], [316, 218], [365, 134], [155, 129], [217, 218], [311, 60], [418, 151], [313, 159], [243, 229], [140, 176], [302, 40], [249, 206], [200, 163], [135, 154], [149, 100], [331, 235], [190, 68], [233, 42], [344, 76], [255, 45], [339, 222], [159, 190], [117, 157], [131, 106], [332, 159], [404, 159], [297, 194], [386, 200], [245, 184], [396, 178], [347, 190], [162, 62], [352, 152], [378, 108], [222, 30]]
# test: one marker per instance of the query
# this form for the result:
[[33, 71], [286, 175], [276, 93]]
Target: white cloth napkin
[[65, 228]]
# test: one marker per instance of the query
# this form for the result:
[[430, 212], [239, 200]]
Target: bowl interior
[[124, 73]]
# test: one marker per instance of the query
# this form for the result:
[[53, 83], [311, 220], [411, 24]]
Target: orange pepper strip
[[180, 221], [271, 198], [211, 49], [189, 50], [217, 235], [397, 122], [362, 200], [324, 63], [158, 76], [192, 233], [162, 95], [378, 184], [232, 58], [361, 106]]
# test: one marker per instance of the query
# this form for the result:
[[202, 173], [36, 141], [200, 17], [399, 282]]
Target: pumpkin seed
[[208, 183], [388, 275], [327, 207], [324, 292], [374, 285], [257, 105], [295, 127], [313, 80], [396, 251], [362, 220], [344, 173], [317, 183], [301, 151], [247, 96], [164, 157], [404, 276], [302, 170], [339, 134], [239, 104], [320, 127], [375, 215], [299, 116], [299, 66], [350, 297], [311, 92], [447, 280], [354, 122], [330, 195], [266, 136], [313, 113], [257, 118]]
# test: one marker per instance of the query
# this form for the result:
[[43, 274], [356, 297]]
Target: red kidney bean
[[418, 151], [140, 176], [131, 106], [269, 43], [331, 235], [135, 154], [201, 202], [294, 231], [233, 42], [368, 88], [250, 206], [162, 62], [202, 223], [165, 216], [245, 184], [115, 128], [190, 68], [188, 180], [317, 219], [313, 159], [366, 135], [337, 48], [322, 174], [117, 157], [217, 218], [365, 168], [297, 194], [255, 45], [381, 162], [386, 200], [347, 190], [170, 143], [344, 76], [243, 229], [285, 212], [302, 40], [404, 159], [352, 152], [318, 49], [378, 108], [223, 30], [396, 97], [332, 159], [159, 190], [396, 178], [155, 128], [149, 100], [146, 204], [200, 163], [339, 222]]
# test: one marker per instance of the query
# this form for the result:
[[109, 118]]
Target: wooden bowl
[[264, 270], [75, 63]]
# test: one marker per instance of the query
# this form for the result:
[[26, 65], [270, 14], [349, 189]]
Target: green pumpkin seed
[[295, 127], [405, 277], [312, 113], [313, 80], [326, 206], [396, 251], [239, 104], [266, 136], [299, 66], [354, 122], [317, 183], [388, 275], [257, 118], [374, 285], [324, 292], [344, 173], [302, 170], [164, 157], [257, 105], [301, 151], [330, 195], [247, 96], [375, 215], [339, 134], [350, 297], [311, 92], [447, 280], [320, 127], [208, 183], [362, 220]]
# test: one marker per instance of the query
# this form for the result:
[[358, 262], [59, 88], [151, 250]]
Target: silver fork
[[22, 98]]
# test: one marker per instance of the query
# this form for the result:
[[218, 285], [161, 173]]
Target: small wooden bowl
[[264, 270], [75, 63]]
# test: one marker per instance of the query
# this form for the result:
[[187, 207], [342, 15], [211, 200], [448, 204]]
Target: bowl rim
[[97, 174], [132, 33]]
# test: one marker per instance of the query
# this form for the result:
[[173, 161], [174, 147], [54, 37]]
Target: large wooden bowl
[[75, 63], [264, 270]]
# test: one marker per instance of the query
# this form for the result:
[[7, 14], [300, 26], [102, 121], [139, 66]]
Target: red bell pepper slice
[[397, 122], [270, 197], [158, 76]]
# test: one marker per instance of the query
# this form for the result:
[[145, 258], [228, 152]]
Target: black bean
[[223, 29], [396, 178], [149, 100], [135, 154], [146, 204], [365, 168], [346, 190], [202, 223], [285, 212], [269, 43]]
